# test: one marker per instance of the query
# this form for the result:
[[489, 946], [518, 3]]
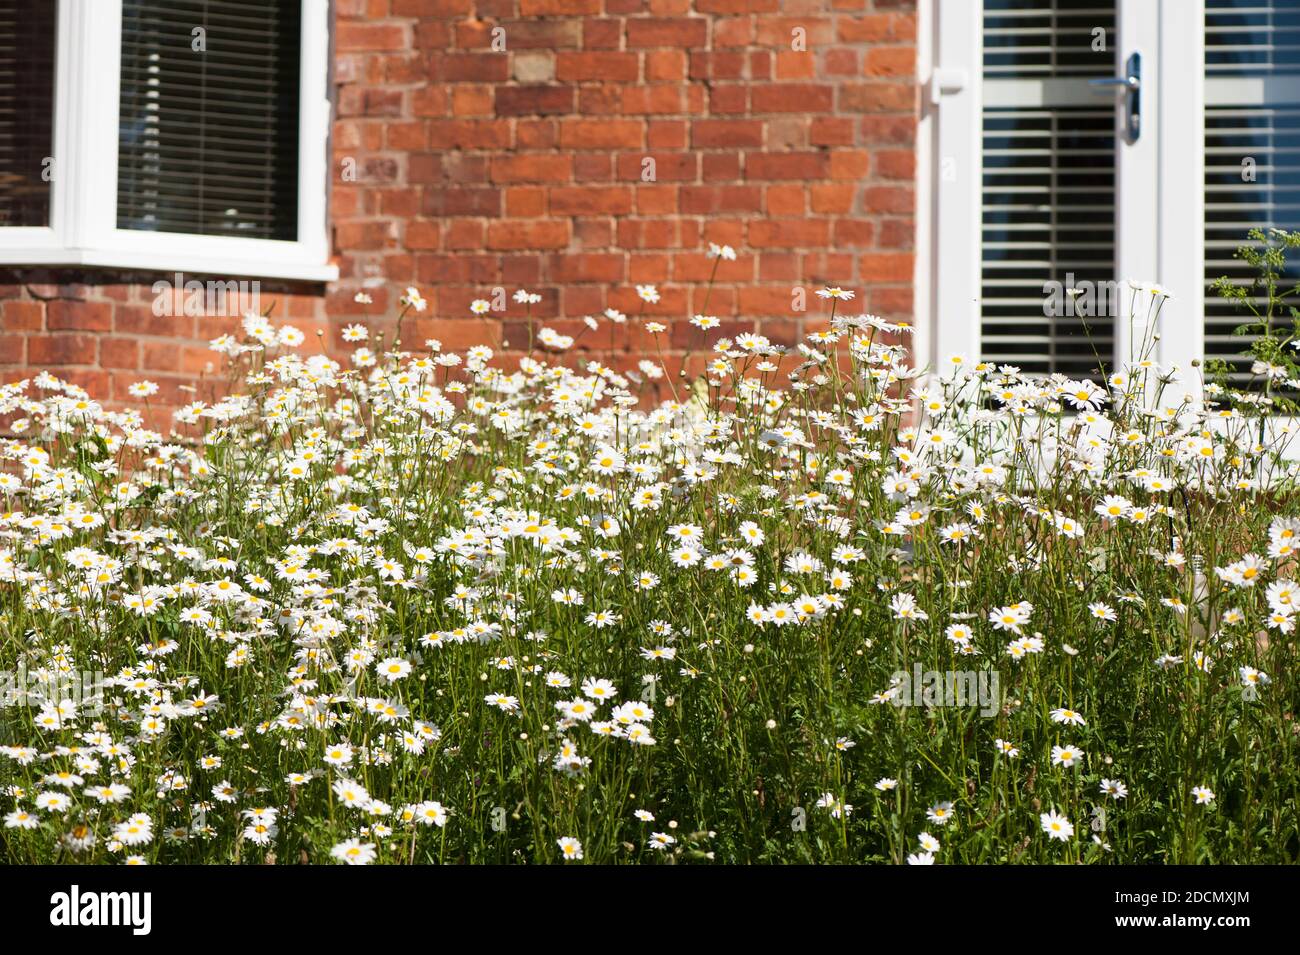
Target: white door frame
[[951, 140]]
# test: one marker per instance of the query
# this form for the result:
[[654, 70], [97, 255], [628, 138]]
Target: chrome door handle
[[1131, 81]]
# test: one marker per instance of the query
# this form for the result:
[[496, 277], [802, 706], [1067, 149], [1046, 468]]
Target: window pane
[[1252, 151], [208, 137], [27, 41], [1048, 185]]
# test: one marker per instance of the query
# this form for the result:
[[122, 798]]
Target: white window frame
[[83, 189], [1160, 179]]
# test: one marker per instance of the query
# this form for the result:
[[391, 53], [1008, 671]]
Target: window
[[1048, 184], [171, 135], [1046, 165], [1252, 148], [26, 112]]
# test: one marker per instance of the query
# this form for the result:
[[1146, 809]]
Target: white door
[[1081, 143]]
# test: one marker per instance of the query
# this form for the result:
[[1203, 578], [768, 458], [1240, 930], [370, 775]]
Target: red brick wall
[[97, 328], [477, 169]]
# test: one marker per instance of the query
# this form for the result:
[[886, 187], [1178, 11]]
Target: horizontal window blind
[[1048, 194], [208, 137], [1252, 150], [1045, 38], [27, 43]]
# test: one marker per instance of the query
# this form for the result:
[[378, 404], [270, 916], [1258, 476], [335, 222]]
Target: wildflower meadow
[[817, 605]]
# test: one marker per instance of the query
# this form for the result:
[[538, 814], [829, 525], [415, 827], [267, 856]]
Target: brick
[[892, 301], [13, 352], [602, 33], [789, 233], [606, 267], [669, 167], [532, 169], [457, 334], [527, 234], [765, 300], [787, 133], [370, 36], [707, 200], [161, 356], [422, 234], [720, 167], [890, 61], [547, 8], [525, 201], [79, 316], [533, 100], [895, 164], [897, 130], [875, 28], [851, 233], [657, 200], [661, 99], [461, 201], [66, 349], [432, 8], [839, 62], [885, 267], [896, 234], [140, 320], [665, 65], [832, 197], [119, 353], [535, 133], [602, 100], [404, 137], [429, 101], [726, 133], [467, 101], [559, 34], [606, 67], [876, 97], [595, 167], [888, 199], [779, 32], [95, 382], [792, 65], [666, 134], [792, 98], [649, 233], [737, 6], [732, 32], [678, 33], [717, 66], [830, 131], [730, 98], [591, 200], [22, 316], [849, 164], [365, 235], [533, 67], [468, 134], [474, 67], [601, 134], [786, 165], [404, 68], [786, 200]]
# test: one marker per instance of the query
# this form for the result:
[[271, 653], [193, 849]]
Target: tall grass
[[438, 608]]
